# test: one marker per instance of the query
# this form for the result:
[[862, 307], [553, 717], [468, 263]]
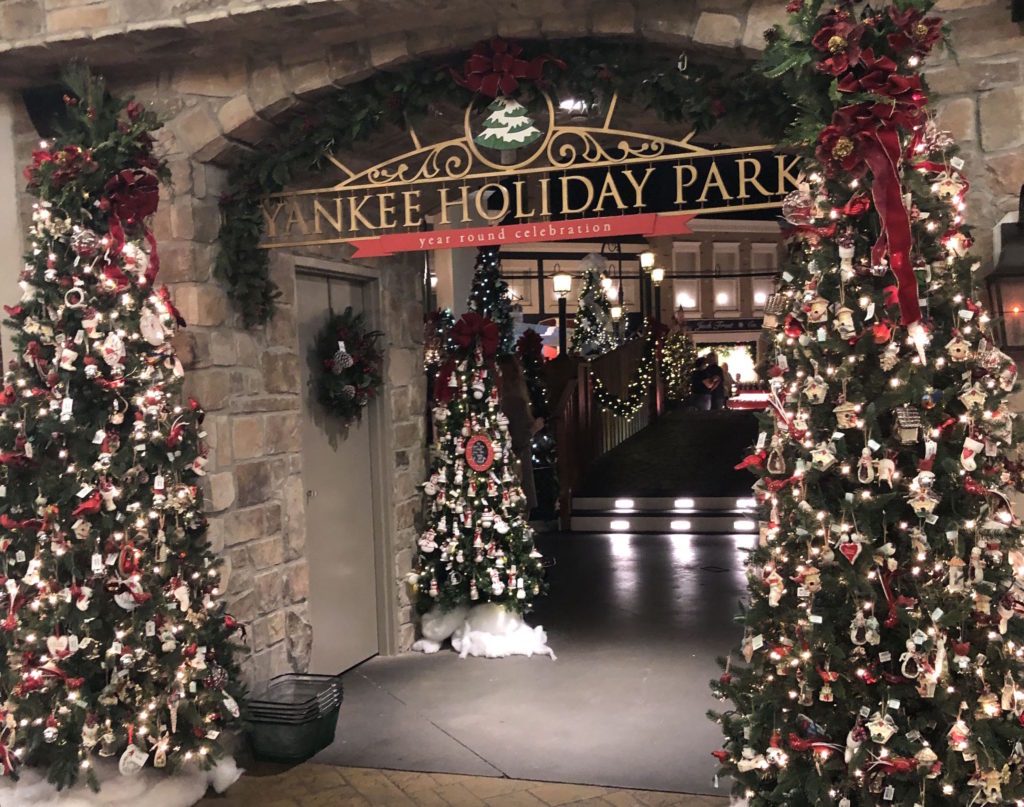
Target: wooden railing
[[584, 431]]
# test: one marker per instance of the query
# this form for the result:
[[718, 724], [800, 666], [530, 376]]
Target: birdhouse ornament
[[881, 728], [815, 390], [846, 414], [908, 425], [973, 395], [817, 310], [844, 323], [822, 457], [958, 348]]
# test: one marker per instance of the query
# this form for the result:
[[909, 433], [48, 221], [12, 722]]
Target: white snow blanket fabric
[[486, 630], [150, 788]]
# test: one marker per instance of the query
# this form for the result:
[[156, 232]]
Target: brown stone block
[[296, 578], [243, 526], [201, 304], [221, 491], [974, 75], [617, 18], [717, 30], [239, 121], [294, 515], [247, 439], [763, 15], [300, 639], [266, 553], [406, 513], [281, 330], [21, 19], [1005, 172], [243, 607], [268, 93], [272, 517], [282, 273], [269, 589], [283, 433], [276, 627], [216, 79], [197, 129], [1002, 113], [958, 117], [78, 18], [254, 482], [265, 403], [281, 372], [210, 387]]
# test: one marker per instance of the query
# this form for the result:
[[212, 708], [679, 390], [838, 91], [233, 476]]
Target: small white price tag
[[110, 559], [874, 445], [957, 163], [966, 313], [865, 711], [802, 592], [12, 586], [885, 656], [787, 277], [212, 734], [151, 628], [99, 437], [67, 405], [757, 642], [3, 491], [192, 687], [930, 447], [815, 619], [869, 312], [913, 735], [937, 614], [115, 648], [97, 563], [19, 556], [920, 637], [158, 482], [889, 793], [73, 643], [838, 436], [894, 703], [84, 491], [762, 438], [952, 535]]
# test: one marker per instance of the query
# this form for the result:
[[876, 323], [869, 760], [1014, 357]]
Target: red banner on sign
[[597, 229]]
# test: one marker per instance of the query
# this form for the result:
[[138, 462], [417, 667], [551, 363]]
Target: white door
[[337, 475]]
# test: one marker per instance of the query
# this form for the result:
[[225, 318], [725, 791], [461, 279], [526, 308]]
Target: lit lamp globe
[[647, 261], [657, 275], [562, 284], [616, 313]]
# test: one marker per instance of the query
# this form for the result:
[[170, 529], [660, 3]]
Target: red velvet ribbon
[[495, 68], [472, 327], [882, 154]]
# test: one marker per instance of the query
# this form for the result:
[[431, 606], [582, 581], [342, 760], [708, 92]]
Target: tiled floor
[[315, 785]]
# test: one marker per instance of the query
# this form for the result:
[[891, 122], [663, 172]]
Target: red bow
[[495, 67], [9, 523], [473, 326]]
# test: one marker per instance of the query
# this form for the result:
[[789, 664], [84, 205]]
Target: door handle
[[310, 494]]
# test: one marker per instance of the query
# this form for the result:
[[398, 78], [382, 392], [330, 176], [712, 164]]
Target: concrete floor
[[636, 622]]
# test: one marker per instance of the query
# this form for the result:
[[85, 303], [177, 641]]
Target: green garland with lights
[[637, 391], [595, 70]]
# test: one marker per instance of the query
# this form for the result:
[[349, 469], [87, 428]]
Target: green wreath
[[352, 365]]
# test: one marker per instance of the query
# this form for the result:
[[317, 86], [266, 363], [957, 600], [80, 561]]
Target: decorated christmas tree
[[113, 638], [881, 661], [477, 546], [490, 298], [678, 356], [508, 126], [591, 334]]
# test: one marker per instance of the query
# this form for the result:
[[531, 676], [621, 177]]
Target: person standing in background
[[700, 395], [522, 425], [728, 382], [714, 381]]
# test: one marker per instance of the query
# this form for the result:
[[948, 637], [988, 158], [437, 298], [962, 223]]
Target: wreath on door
[[352, 364]]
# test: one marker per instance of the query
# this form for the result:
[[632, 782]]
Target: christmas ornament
[[817, 310], [881, 728], [113, 349], [151, 328], [958, 349], [85, 242]]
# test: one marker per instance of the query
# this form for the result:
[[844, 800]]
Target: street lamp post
[[657, 275], [562, 284], [647, 259], [616, 317]]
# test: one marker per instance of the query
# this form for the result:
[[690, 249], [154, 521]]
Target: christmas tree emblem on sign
[[508, 126]]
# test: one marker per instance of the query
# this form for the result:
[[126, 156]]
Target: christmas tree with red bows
[[882, 657], [113, 638], [476, 546]]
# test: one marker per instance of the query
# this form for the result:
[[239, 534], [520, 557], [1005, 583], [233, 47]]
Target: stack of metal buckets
[[294, 716]]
